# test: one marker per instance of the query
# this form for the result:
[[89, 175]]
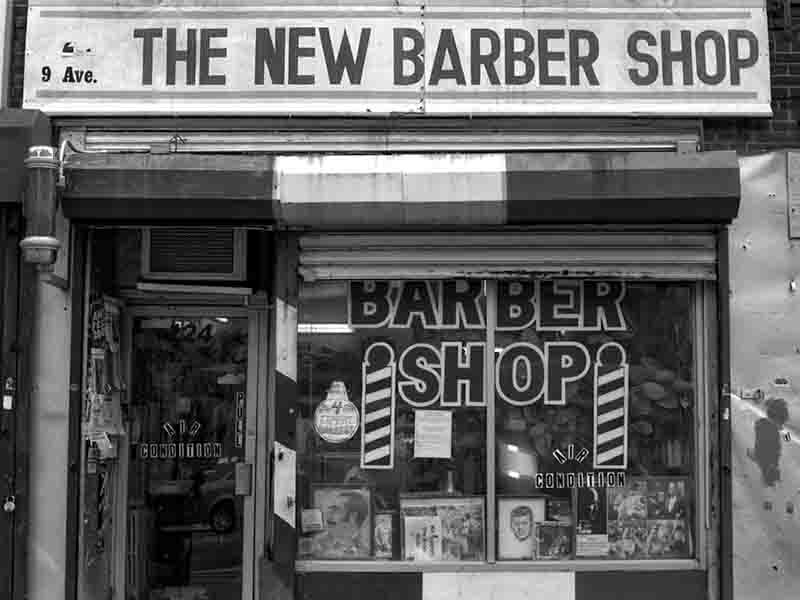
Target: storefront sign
[[336, 418], [453, 373], [181, 443], [219, 58]]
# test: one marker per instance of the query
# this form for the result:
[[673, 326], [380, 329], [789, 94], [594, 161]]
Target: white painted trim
[[372, 164], [286, 338], [378, 566], [393, 3], [281, 141], [554, 585]]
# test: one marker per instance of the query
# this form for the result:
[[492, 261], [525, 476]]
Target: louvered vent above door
[[194, 253]]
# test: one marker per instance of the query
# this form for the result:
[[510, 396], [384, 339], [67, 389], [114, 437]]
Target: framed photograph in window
[[383, 534], [347, 522], [516, 527], [554, 541], [443, 528]]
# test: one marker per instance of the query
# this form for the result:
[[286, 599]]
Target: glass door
[[190, 459]]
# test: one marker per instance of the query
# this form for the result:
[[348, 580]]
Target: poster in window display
[[667, 538], [516, 526], [559, 510], [554, 541], [667, 498], [648, 519], [627, 539], [629, 502], [422, 541], [383, 532], [347, 523], [458, 521], [591, 533]]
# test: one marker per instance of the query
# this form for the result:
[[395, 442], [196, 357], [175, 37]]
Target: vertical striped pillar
[[377, 407], [610, 408], [277, 581]]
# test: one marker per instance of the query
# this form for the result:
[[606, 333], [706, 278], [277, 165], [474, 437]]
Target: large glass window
[[467, 420]]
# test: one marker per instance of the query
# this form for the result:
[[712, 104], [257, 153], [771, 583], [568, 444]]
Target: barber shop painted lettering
[[423, 59], [452, 374], [509, 56]]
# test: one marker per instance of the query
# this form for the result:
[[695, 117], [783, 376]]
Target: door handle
[[244, 479]]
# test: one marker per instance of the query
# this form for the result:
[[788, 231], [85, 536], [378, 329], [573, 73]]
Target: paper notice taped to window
[[433, 434]]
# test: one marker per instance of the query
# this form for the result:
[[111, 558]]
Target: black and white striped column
[[378, 373], [611, 408]]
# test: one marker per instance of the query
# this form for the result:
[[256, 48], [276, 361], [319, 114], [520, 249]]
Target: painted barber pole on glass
[[377, 407], [611, 408]]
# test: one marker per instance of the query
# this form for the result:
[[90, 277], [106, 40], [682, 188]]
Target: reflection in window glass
[[595, 424], [187, 423], [413, 364]]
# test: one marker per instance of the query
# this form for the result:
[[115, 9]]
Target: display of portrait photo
[[347, 522], [667, 498], [627, 539], [554, 541], [591, 534], [667, 538], [559, 509], [629, 502], [383, 535], [649, 519], [516, 527], [458, 522]]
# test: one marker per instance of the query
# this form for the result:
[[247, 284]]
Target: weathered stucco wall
[[49, 433], [765, 347]]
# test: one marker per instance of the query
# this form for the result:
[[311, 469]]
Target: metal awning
[[145, 188], [19, 130], [340, 191]]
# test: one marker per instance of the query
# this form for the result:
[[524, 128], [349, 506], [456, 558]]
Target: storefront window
[[595, 457], [392, 421], [591, 387]]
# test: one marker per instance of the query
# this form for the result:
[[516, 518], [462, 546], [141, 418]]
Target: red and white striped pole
[[611, 408], [378, 373]]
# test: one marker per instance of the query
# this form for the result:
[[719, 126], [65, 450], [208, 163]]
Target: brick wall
[[783, 129], [17, 69]]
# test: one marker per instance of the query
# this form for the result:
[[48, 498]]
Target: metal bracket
[[687, 146], [244, 479]]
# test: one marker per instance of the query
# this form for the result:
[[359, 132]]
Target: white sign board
[[375, 57]]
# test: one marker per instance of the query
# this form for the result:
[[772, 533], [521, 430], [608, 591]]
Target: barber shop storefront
[[388, 301]]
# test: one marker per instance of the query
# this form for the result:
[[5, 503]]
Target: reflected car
[[207, 499]]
